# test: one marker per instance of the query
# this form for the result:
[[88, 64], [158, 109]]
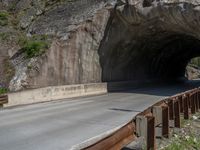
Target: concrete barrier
[[55, 93]]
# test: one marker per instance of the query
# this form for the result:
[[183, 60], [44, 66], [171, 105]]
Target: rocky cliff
[[95, 40], [74, 29]]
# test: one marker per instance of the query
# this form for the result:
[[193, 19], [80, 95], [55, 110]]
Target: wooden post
[[165, 121], [186, 107], [161, 114], [177, 122], [151, 142], [189, 100], [197, 101], [193, 106], [198, 97], [181, 104], [145, 127], [171, 109]]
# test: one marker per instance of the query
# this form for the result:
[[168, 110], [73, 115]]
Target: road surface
[[65, 123]]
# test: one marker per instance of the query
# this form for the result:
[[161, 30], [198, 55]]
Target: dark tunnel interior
[[150, 50], [166, 61], [171, 59]]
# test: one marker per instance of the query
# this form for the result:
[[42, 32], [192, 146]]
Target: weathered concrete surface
[[55, 93]]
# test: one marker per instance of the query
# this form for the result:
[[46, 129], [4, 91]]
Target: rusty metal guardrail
[[3, 100], [155, 121]]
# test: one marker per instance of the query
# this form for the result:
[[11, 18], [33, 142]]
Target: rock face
[[101, 40], [74, 60], [192, 72], [77, 31]]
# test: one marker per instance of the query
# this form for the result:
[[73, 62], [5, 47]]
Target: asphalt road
[[65, 123]]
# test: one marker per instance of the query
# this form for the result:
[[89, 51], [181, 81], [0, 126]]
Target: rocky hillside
[[42, 42], [55, 42]]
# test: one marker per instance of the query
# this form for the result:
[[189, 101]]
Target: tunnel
[[150, 42]]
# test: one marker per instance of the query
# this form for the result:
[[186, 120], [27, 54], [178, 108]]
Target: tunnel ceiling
[[150, 40]]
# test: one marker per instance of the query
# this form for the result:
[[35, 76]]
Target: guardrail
[[155, 121], [3, 100]]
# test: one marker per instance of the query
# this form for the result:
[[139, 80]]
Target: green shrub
[[35, 48], [3, 90], [3, 18]]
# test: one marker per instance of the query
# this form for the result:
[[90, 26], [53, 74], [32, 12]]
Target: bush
[[3, 90], [34, 48], [3, 18]]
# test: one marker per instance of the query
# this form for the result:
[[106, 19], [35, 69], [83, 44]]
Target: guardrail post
[[189, 100], [157, 113], [196, 101], [193, 106], [145, 127], [177, 122], [151, 143], [186, 107], [199, 97], [165, 121], [171, 112], [171, 109], [141, 126], [181, 104], [161, 114]]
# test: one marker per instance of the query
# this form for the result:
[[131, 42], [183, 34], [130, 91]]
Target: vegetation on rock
[[34, 46], [3, 18]]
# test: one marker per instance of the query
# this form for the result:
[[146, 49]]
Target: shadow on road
[[157, 88]]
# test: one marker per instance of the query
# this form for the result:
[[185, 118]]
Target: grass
[[174, 146], [185, 143], [34, 46], [187, 138], [4, 18]]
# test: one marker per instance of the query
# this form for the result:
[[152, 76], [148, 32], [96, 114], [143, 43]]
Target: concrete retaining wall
[[55, 93]]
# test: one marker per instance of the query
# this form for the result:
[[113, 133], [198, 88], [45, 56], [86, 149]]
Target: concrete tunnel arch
[[155, 41]]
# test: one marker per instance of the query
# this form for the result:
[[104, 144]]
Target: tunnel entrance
[[147, 47]]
